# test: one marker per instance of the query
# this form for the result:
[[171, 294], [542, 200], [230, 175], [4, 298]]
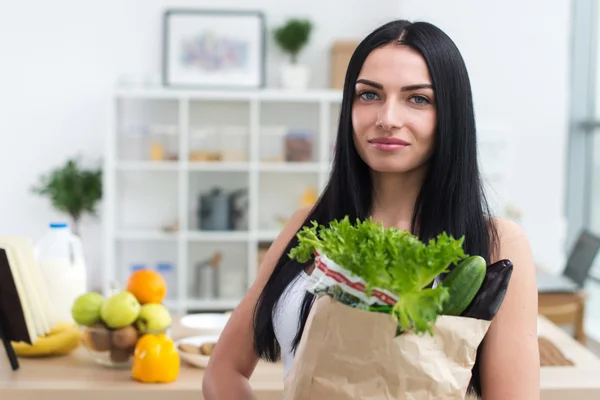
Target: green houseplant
[[292, 37], [72, 189]]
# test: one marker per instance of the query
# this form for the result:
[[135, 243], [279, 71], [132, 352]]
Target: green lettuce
[[387, 258]]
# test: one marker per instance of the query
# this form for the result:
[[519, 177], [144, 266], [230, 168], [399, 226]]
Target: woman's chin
[[388, 167]]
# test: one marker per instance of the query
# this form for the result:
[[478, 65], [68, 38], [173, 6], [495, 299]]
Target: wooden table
[[580, 381], [76, 376]]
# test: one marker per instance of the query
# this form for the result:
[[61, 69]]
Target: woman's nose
[[390, 116]]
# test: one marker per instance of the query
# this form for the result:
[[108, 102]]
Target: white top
[[286, 318]]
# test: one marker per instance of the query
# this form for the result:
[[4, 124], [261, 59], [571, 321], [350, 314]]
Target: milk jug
[[61, 260]]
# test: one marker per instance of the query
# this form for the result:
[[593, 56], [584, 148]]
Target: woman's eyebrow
[[404, 89], [417, 87], [370, 83]]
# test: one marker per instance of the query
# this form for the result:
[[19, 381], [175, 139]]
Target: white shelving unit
[[144, 196]]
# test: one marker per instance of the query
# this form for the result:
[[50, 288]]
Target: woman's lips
[[388, 144]]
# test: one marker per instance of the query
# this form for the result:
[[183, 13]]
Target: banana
[[62, 339]]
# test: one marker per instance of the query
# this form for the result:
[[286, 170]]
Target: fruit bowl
[[113, 348], [111, 326]]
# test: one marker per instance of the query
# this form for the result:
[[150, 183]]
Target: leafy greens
[[387, 258]]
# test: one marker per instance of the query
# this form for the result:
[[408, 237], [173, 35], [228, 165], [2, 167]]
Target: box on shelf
[[153, 142], [234, 143], [272, 143], [299, 145], [133, 143], [164, 143], [229, 143], [341, 52], [204, 145]]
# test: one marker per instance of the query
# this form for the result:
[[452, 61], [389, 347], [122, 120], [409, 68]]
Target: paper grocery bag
[[347, 353]]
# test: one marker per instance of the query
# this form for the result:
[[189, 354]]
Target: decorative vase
[[294, 76]]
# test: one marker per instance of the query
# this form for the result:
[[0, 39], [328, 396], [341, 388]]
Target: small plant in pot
[[292, 37], [72, 190]]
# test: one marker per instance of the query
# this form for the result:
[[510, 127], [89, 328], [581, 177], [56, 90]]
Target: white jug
[[61, 260]]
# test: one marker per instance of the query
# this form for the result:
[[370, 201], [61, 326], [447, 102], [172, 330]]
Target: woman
[[406, 156]]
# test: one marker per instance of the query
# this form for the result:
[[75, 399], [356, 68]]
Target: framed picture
[[213, 49]]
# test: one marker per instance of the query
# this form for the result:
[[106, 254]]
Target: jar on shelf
[[235, 143], [299, 145], [133, 143], [204, 145], [272, 143], [232, 283], [164, 143]]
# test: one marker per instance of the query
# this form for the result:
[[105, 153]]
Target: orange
[[147, 286]]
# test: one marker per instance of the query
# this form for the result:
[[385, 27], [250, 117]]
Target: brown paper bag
[[347, 353]]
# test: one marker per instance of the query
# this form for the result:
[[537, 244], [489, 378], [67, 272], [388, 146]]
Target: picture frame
[[213, 49]]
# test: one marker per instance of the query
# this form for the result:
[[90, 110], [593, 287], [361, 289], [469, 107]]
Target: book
[[25, 307]]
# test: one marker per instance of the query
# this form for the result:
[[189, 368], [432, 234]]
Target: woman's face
[[393, 111]]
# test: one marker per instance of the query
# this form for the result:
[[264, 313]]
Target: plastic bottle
[[167, 270], [61, 260]]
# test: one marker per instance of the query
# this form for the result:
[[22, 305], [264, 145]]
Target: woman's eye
[[420, 100], [369, 96]]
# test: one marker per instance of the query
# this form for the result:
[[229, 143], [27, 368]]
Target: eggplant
[[485, 305], [488, 299]]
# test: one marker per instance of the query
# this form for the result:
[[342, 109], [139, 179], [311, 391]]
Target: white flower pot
[[294, 76]]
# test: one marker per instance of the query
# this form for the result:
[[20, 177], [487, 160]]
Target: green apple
[[86, 308], [120, 310], [153, 318]]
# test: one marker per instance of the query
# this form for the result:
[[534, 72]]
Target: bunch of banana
[[62, 339]]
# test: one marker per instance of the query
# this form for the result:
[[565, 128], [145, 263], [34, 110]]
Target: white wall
[[60, 60], [517, 53]]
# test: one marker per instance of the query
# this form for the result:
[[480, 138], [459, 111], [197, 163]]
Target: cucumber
[[463, 283]]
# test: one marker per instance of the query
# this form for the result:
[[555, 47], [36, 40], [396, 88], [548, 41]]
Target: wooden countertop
[[580, 381], [76, 376]]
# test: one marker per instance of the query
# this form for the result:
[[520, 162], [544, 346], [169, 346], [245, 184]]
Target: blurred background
[[201, 126]]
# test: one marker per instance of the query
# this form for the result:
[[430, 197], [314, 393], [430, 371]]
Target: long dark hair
[[451, 198]]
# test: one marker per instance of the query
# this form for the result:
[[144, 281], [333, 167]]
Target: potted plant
[[292, 37], [72, 190]]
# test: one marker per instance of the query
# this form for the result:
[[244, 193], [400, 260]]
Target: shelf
[[248, 128], [218, 236], [218, 166], [194, 236], [233, 95], [216, 304], [141, 235], [267, 236], [296, 167], [148, 165]]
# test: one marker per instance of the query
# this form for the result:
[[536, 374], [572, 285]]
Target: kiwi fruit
[[99, 338], [119, 355], [124, 338]]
